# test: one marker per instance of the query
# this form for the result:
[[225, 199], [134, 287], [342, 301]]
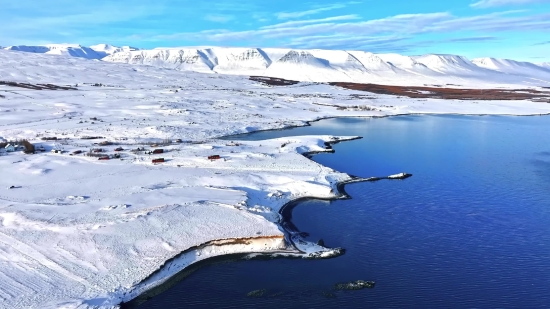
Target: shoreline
[[289, 237], [285, 211], [307, 123]]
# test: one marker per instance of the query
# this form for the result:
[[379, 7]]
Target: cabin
[[104, 158], [97, 150], [9, 148], [41, 148], [55, 151], [157, 151], [76, 152], [158, 160], [214, 157], [119, 149]]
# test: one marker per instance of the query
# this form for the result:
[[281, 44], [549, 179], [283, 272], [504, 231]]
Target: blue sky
[[515, 29]]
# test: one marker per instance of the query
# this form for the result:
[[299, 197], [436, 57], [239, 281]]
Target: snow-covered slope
[[106, 49], [319, 65], [336, 65], [448, 64], [78, 232], [73, 50], [513, 67], [183, 59]]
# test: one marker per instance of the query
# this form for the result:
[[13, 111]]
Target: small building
[[214, 157], [77, 152], [157, 151], [9, 148], [158, 160], [104, 158], [119, 149]]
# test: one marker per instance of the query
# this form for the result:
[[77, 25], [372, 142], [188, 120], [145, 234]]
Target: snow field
[[78, 232]]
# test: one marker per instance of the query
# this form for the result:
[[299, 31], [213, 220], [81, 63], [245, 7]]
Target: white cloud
[[394, 33], [495, 3], [288, 15], [311, 21]]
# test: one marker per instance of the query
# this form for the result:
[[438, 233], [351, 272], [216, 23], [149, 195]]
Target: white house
[[9, 148]]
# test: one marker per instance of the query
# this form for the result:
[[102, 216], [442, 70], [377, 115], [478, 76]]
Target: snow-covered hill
[[106, 49], [513, 67], [78, 232], [319, 65], [73, 50], [337, 65]]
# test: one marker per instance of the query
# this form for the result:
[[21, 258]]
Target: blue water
[[470, 229]]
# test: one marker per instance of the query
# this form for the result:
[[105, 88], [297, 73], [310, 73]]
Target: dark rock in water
[[321, 243], [355, 285], [256, 293]]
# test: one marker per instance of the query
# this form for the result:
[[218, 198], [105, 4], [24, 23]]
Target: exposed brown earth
[[450, 93], [429, 92], [36, 86]]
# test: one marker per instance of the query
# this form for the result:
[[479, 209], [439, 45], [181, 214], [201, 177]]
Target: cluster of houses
[[11, 148], [27, 148], [98, 152]]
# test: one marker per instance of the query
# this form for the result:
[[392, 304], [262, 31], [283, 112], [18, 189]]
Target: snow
[[316, 65], [77, 232], [513, 67], [73, 50], [106, 49]]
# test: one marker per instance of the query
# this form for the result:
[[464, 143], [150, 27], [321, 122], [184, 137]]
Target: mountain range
[[317, 65]]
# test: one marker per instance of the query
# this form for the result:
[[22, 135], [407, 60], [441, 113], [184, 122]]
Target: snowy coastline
[[78, 232]]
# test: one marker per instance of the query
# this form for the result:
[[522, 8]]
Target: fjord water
[[470, 229]]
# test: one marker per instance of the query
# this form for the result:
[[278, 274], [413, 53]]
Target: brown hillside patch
[[419, 92], [450, 93]]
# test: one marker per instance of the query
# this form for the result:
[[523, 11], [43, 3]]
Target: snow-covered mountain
[[338, 65], [73, 50], [317, 65], [106, 49], [513, 67]]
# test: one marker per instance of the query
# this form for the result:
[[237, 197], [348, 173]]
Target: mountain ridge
[[315, 65]]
